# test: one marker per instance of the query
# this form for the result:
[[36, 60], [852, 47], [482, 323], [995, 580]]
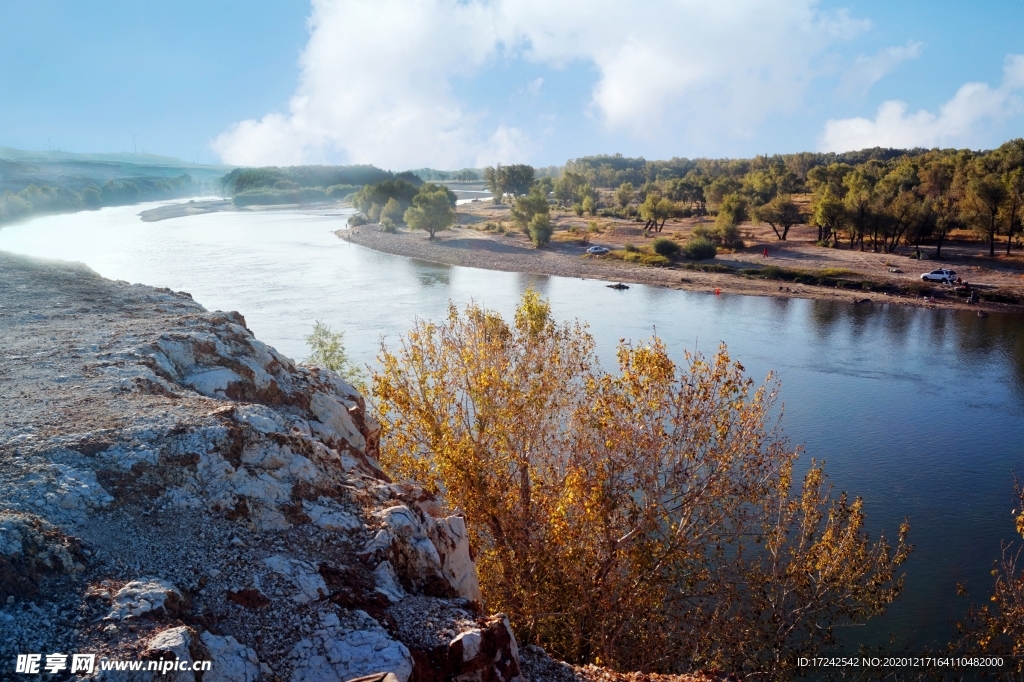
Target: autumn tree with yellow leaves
[[643, 520], [997, 628]]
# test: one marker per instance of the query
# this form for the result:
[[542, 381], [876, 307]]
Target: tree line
[[304, 184], [38, 199], [876, 199]]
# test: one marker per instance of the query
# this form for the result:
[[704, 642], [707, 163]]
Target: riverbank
[[512, 252]]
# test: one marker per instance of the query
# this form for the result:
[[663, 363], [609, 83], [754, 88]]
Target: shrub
[[699, 248], [356, 219], [541, 229], [630, 246], [590, 206], [387, 225], [729, 236], [593, 227], [577, 208], [665, 247], [824, 243], [632, 256], [655, 260], [707, 267]]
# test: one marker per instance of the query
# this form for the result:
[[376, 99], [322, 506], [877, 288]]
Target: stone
[[230, 661], [350, 650], [309, 584], [146, 596]]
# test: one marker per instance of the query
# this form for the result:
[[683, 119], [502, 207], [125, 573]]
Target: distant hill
[[37, 182]]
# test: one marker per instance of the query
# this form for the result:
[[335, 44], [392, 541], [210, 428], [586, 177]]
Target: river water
[[919, 411]]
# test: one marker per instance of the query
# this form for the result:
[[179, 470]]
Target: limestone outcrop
[[170, 486]]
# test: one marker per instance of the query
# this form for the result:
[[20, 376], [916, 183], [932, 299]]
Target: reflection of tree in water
[[529, 280], [432, 277], [979, 339], [898, 324], [825, 315], [976, 342]]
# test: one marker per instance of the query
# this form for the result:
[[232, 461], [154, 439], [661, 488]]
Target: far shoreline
[[466, 247]]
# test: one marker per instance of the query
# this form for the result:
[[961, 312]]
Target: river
[[919, 411]]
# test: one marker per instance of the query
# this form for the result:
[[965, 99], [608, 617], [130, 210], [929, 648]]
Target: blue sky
[[450, 83]]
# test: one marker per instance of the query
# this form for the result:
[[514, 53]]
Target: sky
[[464, 83]]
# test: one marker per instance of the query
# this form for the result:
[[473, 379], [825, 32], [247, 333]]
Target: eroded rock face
[[171, 486]]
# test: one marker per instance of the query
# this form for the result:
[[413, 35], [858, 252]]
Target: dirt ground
[[471, 244]]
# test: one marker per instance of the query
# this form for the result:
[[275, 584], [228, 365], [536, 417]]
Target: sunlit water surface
[[919, 411]]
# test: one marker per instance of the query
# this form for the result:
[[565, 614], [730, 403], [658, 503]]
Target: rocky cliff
[[172, 487]]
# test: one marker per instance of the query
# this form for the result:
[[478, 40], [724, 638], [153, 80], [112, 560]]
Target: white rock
[[230, 661], [451, 539], [142, 596], [425, 548], [212, 382], [470, 644], [343, 652], [387, 582], [303, 575], [335, 419]]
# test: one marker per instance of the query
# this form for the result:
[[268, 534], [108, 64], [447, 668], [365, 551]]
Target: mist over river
[[919, 411]]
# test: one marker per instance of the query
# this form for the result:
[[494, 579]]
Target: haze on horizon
[[447, 84]]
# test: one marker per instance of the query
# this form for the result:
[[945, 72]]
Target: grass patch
[[707, 267]]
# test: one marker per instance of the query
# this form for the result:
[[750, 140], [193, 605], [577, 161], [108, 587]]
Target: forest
[[874, 199]]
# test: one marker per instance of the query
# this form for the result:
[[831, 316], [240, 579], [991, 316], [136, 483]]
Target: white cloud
[[866, 71], [376, 75], [961, 121]]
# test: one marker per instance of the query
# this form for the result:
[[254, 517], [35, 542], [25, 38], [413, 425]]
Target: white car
[[939, 276], [597, 250]]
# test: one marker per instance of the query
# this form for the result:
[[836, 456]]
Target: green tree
[[860, 203], [986, 194], [540, 229], [518, 179], [392, 211], [432, 210], [526, 207], [624, 194], [780, 213], [732, 210], [546, 185], [941, 195], [327, 350], [655, 210], [497, 181], [720, 188], [1013, 209], [589, 205], [827, 214], [567, 188], [92, 196]]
